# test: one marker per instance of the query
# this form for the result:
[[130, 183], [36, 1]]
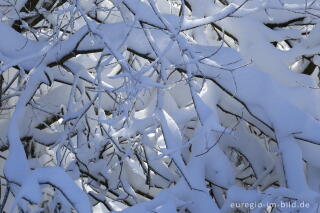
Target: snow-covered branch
[[159, 105]]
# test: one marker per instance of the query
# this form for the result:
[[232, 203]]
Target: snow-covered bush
[[159, 106]]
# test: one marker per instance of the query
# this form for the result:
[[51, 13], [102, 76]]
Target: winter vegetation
[[163, 106]]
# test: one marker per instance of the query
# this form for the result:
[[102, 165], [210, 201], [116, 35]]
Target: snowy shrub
[[160, 106]]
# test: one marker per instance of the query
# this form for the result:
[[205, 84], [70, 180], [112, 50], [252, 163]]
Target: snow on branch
[[159, 106]]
